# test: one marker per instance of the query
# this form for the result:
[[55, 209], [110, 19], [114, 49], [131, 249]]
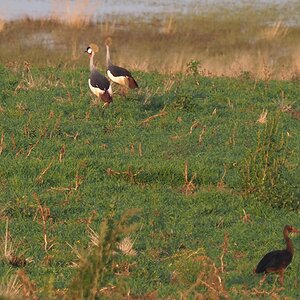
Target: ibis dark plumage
[[118, 74], [99, 84], [277, 261]]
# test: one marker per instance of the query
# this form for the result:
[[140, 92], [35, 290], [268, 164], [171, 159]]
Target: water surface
[[95, 9]]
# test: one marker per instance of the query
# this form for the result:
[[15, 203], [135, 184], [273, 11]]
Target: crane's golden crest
[[94, 47], [108, 41]]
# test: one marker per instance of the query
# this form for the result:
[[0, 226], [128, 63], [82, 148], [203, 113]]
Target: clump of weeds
[[265, 172]]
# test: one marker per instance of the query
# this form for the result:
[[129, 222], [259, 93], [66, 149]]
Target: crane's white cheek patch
[[122, 80], [95, 91]]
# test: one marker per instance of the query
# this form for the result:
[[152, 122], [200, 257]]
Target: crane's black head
[[290, 228], [92, 49], [89, 50]]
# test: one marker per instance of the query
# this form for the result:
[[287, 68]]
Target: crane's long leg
[[263, 279], [281, 273]]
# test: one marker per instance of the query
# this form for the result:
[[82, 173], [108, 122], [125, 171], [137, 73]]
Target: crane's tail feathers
[[106, 97], [132, 84]]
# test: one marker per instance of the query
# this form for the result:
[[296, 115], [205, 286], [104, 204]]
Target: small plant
[[126, 246], [183, 100], [265, 171], [198, 271], [246, 75], [96, 264], [193, 67]]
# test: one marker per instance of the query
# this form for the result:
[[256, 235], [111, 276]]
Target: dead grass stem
[[10, 251], [189, 186], [210, 276], [44, 212], [28, 287], [2, 145], [278, 30], [40, 178], [129, 173]]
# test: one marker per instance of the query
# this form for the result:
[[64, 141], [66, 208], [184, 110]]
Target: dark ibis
[[276, 261], [118, 74], [98, 83]]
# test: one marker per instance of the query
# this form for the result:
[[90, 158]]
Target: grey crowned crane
[[276, 261], [99, 84], [118, 74]]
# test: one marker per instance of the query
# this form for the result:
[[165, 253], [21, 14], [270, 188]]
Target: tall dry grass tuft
[[278, 30], [96, 262], [210, 278], [225, 45], [9, 252], [107, 29], [77, 14], [295, 56], [10, 288], [169, 27]]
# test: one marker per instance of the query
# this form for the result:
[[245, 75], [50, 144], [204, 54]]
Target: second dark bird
[[276, 261]]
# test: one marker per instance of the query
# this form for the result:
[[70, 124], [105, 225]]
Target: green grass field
[[211, 186]]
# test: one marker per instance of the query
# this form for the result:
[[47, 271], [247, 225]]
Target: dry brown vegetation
[[224, 43]]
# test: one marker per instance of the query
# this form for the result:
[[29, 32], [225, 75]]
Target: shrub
[[265, 172]]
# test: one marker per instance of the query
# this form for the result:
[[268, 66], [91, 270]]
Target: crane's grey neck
[[92, 66], [108, 61], [289, 244]]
